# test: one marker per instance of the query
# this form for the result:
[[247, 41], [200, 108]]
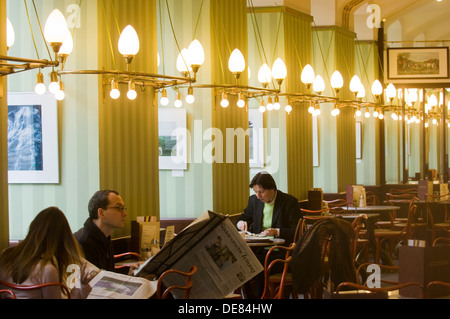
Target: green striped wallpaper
[[77, 118]]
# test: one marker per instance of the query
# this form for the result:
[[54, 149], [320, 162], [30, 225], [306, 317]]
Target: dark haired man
[[107, 212], [270, 211]]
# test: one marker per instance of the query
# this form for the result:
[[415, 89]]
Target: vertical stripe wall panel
[[128, 130], [228, 31], [346, 155], [77, 116], [4, 216], [299, 121]]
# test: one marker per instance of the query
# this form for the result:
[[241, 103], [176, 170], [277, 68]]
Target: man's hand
[[275, 232], [242, 226]]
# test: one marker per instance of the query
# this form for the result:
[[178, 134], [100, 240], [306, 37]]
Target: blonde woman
[[43, 257]]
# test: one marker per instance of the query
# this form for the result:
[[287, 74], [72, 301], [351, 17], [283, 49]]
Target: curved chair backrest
[[10, 294], [268, 265], [39, 286], [386, 289], [162, 293]]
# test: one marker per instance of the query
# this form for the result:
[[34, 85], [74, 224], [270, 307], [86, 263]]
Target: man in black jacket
[[269, 212], [107, 212]]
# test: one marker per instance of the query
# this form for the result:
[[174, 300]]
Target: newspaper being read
[[224, 260], [111, 285]]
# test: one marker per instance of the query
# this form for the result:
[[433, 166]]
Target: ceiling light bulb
[[190, 96], [394, 116], [288, 108], [128, 42], [269, 104], [236, 62], [358, 112], [319, 85], [316, 111], [114, 93], [196, 53], [391, 92], [433, 100], [178, 103], [276, 104], [40, 86], [337, 82], [224, 102], [375, 113], [377, 88], [164, 99], [264, 75], [183, 65], [67, 45], [54, 85], [355, 84], [60, 95], [240, 102], [10, 35], [361, 92], [311, 109], [279, 71], [55, 29], [131, 94], [367, 113], [335, 112], [307, 76]]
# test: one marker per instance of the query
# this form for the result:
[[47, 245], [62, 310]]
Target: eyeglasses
[[119, 208]]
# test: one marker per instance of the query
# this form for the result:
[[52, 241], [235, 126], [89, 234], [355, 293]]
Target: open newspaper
[[111, 285], [224, 260]]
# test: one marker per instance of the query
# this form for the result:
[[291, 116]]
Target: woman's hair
[[264, 180], [49, 239], [99, 200]]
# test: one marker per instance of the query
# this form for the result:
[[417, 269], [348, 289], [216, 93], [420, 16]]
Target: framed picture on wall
[[172, 135], [358, 140], [256, 138], [430, 63], [32, 138], [315, 141]]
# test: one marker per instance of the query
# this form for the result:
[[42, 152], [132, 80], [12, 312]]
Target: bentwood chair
[[124, 267], [401, 232], [163, 292], [432, 286], [13, 287], [275, 284], [363, 289], [440, 226], [7, 294]]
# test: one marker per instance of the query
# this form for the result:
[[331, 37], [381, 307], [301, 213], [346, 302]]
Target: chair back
[[385, 289], [163, 292], [268, 266], [372, 199], [39, 286], [9, 294]]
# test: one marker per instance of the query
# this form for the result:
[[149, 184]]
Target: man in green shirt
[[269, 212]]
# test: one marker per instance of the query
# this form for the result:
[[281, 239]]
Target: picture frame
[[172, 135], [315, 135], [358, 140], [33, 153], [427, 64], [256, 138]]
